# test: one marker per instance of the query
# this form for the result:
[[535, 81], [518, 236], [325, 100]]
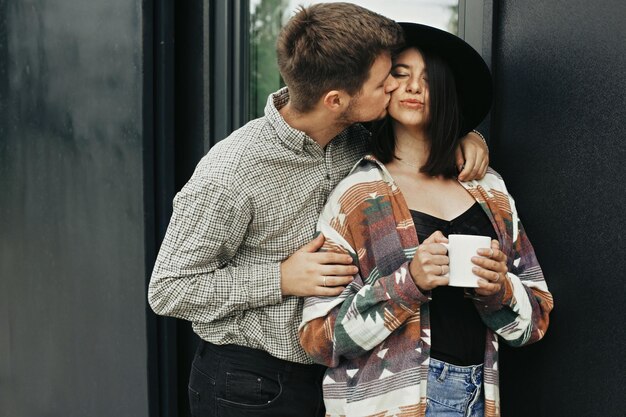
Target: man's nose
[[391, 84]]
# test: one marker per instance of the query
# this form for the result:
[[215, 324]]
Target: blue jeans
[[454, 391], [236, 381]]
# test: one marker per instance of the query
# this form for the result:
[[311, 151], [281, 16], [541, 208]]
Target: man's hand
[[472, 157], [308, 272]]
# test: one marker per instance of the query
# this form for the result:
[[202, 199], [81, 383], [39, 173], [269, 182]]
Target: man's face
[[371, 102]]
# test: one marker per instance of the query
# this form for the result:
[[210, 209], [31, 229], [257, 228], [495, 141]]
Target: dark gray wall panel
[[558, 138], [72, 274]]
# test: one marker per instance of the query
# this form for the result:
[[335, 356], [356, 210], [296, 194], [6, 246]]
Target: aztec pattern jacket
[[375, 336]]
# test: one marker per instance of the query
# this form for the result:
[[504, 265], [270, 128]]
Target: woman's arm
[[363, 316], [369, 309], [518, 309]]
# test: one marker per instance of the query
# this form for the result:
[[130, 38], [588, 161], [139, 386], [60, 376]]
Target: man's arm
[[472, 157], [194, 277]]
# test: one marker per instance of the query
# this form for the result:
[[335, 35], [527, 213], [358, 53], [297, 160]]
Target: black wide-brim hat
[[472, 76]]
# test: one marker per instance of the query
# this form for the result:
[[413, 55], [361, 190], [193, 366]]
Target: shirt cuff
[[266, 286]]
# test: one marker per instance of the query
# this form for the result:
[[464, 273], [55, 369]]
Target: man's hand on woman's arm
[[308, 272], [472, 157]]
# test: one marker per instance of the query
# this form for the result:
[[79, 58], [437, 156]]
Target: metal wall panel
[[558, 139], [72, 258]]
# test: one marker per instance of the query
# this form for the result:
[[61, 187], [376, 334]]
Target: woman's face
[[410, 102]]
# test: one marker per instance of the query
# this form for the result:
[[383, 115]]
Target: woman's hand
[[472, 157], [491, 269], [430, 265]]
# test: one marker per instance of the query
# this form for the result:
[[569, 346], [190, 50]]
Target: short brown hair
[[332, 46]]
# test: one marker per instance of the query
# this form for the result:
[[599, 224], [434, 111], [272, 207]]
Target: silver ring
[[441, 269], [324, 276], [497, 279], [491, 256]]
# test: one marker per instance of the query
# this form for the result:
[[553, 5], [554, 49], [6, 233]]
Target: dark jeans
[[232, 380]]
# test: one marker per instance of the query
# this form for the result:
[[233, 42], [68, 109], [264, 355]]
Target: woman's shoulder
[[366, 170], [366, 178], [492, 181]]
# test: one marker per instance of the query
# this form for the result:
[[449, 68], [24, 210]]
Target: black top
[[457, 332]]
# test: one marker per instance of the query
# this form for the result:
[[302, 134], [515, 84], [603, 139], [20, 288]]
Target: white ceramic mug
[[461, 249]]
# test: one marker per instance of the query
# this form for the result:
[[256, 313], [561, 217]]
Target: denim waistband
[[473, 372]]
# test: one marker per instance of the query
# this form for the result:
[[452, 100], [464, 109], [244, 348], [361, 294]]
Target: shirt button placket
[[326, 181]]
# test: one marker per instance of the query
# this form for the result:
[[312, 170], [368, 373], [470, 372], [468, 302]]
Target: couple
[[237, 260]]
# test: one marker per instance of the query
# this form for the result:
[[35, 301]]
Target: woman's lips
[[412, 103]]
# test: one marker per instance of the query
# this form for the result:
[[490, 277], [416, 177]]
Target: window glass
[[268, 16]]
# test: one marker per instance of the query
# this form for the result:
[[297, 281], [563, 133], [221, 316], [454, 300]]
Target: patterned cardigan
[[375, 336]]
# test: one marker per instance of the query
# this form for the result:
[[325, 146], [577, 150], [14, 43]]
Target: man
[[237, 257]]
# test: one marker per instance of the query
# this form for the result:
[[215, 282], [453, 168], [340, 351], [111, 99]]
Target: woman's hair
[[443, 127]]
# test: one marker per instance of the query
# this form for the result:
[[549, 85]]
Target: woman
[[398, 340]]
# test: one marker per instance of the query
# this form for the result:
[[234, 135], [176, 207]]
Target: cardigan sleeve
[[519, 313], [367, 311]]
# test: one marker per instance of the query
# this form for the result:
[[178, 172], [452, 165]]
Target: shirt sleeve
[[195, 277], [519, 313], [366, 312]]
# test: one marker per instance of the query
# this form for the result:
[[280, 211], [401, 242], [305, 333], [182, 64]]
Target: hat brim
[[471, 73]]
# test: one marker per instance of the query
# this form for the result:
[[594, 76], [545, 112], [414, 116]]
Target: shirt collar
[[292, 138]]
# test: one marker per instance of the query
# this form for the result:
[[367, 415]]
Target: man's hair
[[443, 127], [332, 46]]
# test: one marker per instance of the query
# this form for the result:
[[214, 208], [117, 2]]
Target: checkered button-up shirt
[[252, 201]]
